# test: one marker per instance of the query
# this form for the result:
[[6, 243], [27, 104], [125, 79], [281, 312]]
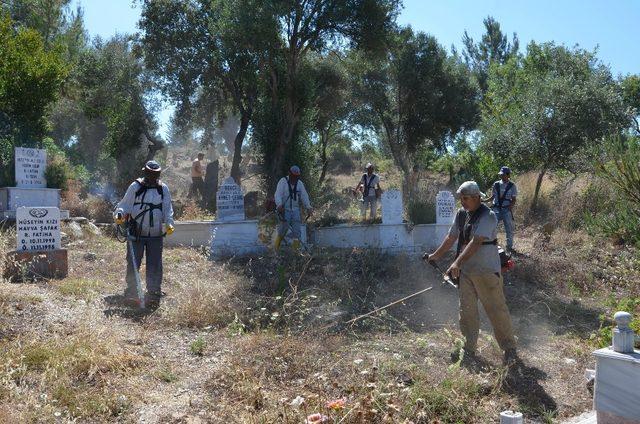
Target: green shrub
[[620, 223], [421, 211], [58, 173]]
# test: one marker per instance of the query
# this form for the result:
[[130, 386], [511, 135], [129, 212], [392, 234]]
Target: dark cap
[[152, 166], [504, 170]]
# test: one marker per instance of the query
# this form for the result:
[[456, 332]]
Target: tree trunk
[[237, 147], [534, 203], [323, 158]]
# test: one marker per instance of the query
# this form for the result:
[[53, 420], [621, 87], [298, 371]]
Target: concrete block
[[617, 387], [27, 265]]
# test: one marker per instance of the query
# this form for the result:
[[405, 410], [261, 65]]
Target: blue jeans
[[291, 219], [506, 217]]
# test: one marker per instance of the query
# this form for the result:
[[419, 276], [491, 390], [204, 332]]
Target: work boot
[[510, 357], [130, 299], [152, 300]]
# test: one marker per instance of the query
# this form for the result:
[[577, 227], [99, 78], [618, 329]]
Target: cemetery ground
[[259, 339]]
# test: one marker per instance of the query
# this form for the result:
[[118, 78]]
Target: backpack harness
[[147, 207], [465, 222], [293, 192], [367, 185], [496, 188]]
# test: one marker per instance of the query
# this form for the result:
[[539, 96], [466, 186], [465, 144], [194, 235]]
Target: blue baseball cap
[[294, 170], [504, 170]]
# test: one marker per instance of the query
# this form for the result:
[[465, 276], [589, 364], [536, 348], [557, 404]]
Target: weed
[[165, 374], [78, 287], [198, 346]]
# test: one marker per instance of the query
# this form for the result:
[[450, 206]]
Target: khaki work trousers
[[488, 288]]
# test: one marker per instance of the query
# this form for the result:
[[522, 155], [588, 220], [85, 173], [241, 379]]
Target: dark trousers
[[153, 248], [197, 187]]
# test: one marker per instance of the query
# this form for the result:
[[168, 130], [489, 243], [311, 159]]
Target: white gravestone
[[445, 207], [392, 207], [37, 229], [230, 202], [30, 166]]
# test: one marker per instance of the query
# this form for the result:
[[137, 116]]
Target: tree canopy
[[541, 110]]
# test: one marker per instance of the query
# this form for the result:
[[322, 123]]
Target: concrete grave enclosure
[[241, 237]]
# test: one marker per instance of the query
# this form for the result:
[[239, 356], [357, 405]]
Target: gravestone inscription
[[392, 207], [230, 202], [30, 165], [37, 229], [445, 207]]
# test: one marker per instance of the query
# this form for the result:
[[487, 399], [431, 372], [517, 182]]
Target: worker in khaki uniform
[[477, 266], [290, 192]]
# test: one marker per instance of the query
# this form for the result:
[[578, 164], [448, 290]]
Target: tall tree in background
[[330, 106], [311, 26], [418, 98], [57, 23], [539, 112], [30, 81], [631, 96], [207, 56], [494, 47], [115, 120]]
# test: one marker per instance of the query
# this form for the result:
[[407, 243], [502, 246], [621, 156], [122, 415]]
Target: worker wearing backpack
[[503, 197], [146, 208], [290, 193], [369, 184]]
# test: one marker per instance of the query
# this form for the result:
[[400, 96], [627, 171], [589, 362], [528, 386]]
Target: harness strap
[[367, 185], [465, 222], [496, 188], [293, 192]]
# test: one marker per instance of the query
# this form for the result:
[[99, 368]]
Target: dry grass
[[374, 383], [80, 288], [95, 208], [70, 375]]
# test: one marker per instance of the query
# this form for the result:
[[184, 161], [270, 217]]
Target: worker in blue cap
[[146, 208], [503, 198], [290, 194]]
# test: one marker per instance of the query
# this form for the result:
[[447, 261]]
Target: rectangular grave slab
[[29, 265]]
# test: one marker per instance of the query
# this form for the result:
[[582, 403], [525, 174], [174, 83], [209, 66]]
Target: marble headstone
[[37, 229], [230, 202], [30, 166], [392, 207], [445, 207]]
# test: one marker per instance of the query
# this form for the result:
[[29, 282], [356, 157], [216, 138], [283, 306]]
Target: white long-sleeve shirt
[[150, 198], [290, 196]]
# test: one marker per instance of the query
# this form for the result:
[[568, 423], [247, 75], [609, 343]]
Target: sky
[[613, 27]]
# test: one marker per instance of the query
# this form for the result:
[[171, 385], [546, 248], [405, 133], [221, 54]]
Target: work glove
[[119, 219], [170, 229]]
